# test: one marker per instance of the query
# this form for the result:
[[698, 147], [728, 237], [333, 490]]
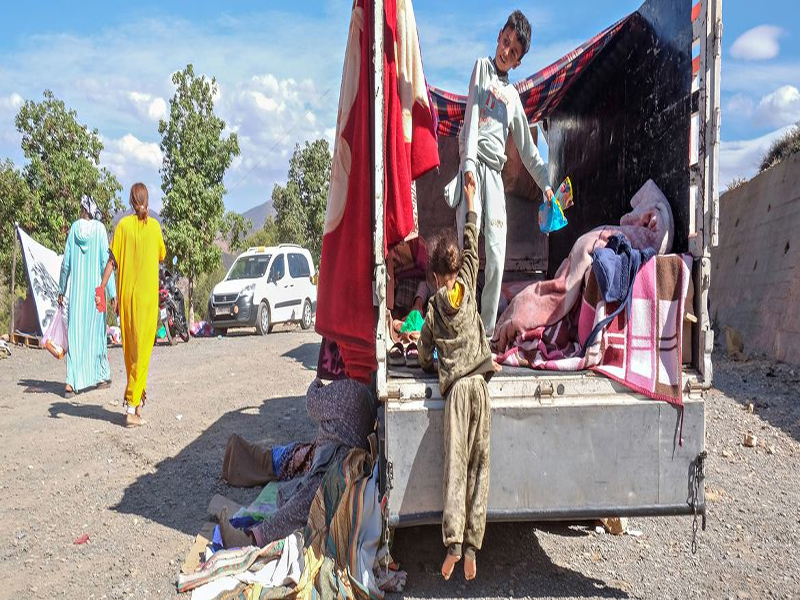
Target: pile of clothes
[[318, 522], [341, 552]]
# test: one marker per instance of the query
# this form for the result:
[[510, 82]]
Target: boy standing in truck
[[453, 327], [493, 111]]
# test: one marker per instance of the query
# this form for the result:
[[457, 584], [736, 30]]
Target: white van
[[265, 286]]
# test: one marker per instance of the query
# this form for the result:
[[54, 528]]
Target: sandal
[[412, 355], [395, 356], [69, 392]]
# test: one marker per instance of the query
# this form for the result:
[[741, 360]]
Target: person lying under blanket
[[649, 225], [345, 411]]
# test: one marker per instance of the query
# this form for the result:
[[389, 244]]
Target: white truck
[[578, 445]]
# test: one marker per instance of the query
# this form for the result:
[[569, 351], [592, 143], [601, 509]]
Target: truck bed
[[573, 445]]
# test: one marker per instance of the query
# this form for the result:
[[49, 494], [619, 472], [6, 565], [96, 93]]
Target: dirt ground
[[68, 468]]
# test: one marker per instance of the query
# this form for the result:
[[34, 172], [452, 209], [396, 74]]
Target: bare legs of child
[[454, 555], [470, 564], [466, 474], [450, 559]]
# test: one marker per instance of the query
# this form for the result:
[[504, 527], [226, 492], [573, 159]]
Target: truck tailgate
[[564, 445]]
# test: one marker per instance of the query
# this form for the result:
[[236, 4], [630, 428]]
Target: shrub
[[782, 148], [735, 183]]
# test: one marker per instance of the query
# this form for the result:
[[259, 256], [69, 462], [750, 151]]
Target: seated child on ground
[[453, 326]]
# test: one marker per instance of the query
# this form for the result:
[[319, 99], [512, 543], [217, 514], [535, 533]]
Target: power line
[[280, 140]]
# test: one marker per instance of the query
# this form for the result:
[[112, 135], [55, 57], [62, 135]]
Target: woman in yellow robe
[[136, 251]]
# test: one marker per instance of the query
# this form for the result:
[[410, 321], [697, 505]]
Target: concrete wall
[[755, 277]]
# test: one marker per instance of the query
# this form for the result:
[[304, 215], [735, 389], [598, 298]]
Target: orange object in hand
[[100, 298]]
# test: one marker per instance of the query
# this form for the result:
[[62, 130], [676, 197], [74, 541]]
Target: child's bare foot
[[497, 366], [449, 564], [232, 537], [470, 567]]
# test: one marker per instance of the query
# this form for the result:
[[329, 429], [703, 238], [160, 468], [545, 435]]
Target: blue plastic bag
[[551, 213]]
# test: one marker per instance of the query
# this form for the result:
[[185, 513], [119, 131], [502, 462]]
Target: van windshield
[[249, 267]]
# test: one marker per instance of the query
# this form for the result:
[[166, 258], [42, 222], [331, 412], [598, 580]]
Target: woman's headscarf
[[90, 206]]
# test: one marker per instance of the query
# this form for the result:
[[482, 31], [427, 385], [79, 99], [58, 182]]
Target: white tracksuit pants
[[490, 208]]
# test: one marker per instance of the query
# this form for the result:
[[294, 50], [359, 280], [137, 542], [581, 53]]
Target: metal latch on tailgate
[[545, 392]]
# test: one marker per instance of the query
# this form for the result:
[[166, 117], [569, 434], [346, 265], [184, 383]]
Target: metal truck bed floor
[[564, 445]]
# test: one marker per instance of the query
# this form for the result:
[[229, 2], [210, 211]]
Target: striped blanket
[[341, 543], [229, 562], [540, 93], [642, 352]]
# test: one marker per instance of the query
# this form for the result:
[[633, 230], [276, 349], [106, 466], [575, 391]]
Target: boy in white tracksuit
[[493, 110]]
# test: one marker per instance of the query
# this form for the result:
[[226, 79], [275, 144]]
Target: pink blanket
[[545, 303], [643, 352]]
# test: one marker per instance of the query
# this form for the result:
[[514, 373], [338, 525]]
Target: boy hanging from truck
[[453, 327], [493, 110]]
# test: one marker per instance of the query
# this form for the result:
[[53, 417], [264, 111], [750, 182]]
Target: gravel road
[[70, 469]]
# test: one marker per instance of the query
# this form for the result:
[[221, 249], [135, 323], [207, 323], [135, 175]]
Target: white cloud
[[11, 103], [740, 106], [741, 77], [128, 156], [119, 85], [758, 43], [130, 160], [742, 158], [154, 108], [9, 136], [270, 116], [781, 107]]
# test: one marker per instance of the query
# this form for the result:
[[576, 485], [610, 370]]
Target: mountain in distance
[[258, 215]]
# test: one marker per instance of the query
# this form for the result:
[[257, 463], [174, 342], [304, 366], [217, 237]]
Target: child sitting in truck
[[454, 328], [493, 110]]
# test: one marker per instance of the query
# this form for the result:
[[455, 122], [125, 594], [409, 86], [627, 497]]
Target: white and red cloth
[[345, 310]]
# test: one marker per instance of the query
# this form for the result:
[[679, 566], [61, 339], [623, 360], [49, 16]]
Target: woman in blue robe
[[85, 256]]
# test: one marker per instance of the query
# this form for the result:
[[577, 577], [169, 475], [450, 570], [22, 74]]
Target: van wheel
[[262, 320], [305, 323]]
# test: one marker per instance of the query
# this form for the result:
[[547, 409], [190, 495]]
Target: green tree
[[300, 206], [196, 156], [16, 205], [63, 164], [782, 148]]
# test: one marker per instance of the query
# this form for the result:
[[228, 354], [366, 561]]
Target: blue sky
[[278, 65]]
